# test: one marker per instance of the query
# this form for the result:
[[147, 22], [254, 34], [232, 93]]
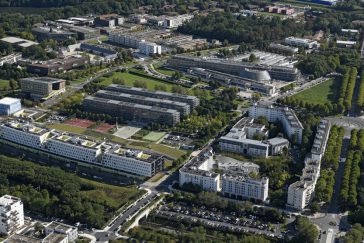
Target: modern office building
[[301, 42], [133, 41], [242, 69], [107, 53], [133, 161], [108, 20], [286, 116], [10, 59], [9, 106], [191, 100], [83, 32], [240, 140], [11, 214], [132, 111], [183, 108], [42, 87], [176, 21], [242, 187], [283, 49], [63, 229], [47, 32], [81, 149], [54, 66], [301, 193], [149, 48], [198, 171]]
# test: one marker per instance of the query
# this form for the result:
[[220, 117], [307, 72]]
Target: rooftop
[[17, 238], [57, 226], [138, 154], [8, 200], [8, 101], [55, 238], [43, 80], [19, 41]]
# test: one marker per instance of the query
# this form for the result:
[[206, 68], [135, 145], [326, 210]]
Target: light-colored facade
[[241, 187], [10, 59], [287, 117], [103, 154], [176, 21], [301, 42], [301, 193], [9, 106], [11, 214], [64, 229], [42, 87], [149, 48]]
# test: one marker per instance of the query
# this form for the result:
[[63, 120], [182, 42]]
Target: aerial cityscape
[[237, 121]]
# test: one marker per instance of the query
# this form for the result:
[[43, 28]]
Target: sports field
[[320, 94], [154, 136]]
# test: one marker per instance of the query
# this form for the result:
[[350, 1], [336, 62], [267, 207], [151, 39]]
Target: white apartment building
[[145, 47], [135, 162], [291, 125], [241, 187], [74, 148], [149, 48], [176, 21], [63, 229], [301, 193], [11, 214], [197, 172], [24, 133], [10, 59], [301, 42]]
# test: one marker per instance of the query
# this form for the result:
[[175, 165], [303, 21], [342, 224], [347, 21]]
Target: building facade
[[11, 214], [9, 106], [42, 87]]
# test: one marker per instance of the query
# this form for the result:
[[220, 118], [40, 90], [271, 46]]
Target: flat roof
[[43, 80], [19, 41], [8, 200], [8, 101]]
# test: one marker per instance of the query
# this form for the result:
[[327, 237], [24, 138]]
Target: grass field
[[154, 136], [131, 78], [4, 84], [165, 71], [319, 94], [114, 196]]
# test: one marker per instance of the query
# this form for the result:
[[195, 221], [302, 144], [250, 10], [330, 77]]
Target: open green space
[[319, 94], [165, 71], [130, 78], [115, 196], [4, 84], [154, 136]]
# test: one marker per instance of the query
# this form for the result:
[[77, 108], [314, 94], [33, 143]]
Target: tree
[[252, 58], [306, 231], [140, 84]]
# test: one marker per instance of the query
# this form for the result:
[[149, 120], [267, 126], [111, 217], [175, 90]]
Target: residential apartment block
[[198, 171], [125, 39], [301, 193], [81, 149], [42, 87], [287, 117], [11, 214], [240, 140], [176, 21]]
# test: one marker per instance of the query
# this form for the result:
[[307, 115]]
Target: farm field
[[319, 94]]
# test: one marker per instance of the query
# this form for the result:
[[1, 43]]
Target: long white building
[[198, 171], [301, 193], [241, 187], [301, 42], [11, 214], [287, 117], [103, 154], [176, 21]]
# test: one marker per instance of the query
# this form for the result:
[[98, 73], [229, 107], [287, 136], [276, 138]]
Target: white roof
[[350, 30], [8, 101], [346, 42], [7, 200], [21, 42]]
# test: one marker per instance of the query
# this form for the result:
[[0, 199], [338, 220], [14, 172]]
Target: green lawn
[[115, 196], [320, 94], [154, 136], [4, 84], [131, 78], [171, 152], [165, 71]]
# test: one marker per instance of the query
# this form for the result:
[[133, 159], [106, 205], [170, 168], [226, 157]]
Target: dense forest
[[53, 192]]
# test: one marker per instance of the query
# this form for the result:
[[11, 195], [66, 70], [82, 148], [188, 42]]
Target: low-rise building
[[176, 21], [63, 229], [10, 59], [58, 65], [108, 20], [19, 42], [107, 53], [11, 214], [41, 88], [9, 106], [149, 48], [301, 42], [47, 32], [283, 49]]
